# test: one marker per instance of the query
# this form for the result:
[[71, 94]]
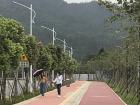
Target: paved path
[[100, 93], [79, 93], [69, 94]]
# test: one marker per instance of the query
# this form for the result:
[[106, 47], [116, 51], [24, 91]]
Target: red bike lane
[[99, 93], [51, 98]]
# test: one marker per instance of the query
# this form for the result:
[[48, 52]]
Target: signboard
[[23, 57], [24, 64]]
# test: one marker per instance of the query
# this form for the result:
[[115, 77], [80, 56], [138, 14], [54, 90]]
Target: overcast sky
[[78, 1]]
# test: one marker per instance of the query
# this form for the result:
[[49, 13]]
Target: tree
[[128, 11], [45, 59], [11, 49]]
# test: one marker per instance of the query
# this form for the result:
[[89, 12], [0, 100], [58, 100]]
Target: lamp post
[[54, 33], [70, 52], [31, 23], [138, 65], [64, 48], [55, 38], [64, 43]]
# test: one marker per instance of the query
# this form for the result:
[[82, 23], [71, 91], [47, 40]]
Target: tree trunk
[[15, 83], [88, 76], [79, 77], [127, 78], [139, 81], [139, 66], [0, 89], [26, 84], [1, 85], [3, 88]]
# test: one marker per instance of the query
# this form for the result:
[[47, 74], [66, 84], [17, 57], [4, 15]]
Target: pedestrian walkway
[[79, 93], [50, 98], [99, 93]]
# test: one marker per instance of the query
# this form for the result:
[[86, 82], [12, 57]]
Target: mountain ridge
[[82, 25]]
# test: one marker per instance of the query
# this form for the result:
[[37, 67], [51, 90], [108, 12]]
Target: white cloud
[[77, 1], [113, 1], [82, 1]]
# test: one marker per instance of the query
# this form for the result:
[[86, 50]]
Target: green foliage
[[32, 49], [121, 63], [11, 30], [52, 57], [14, 42], [5, 63], [45, 59], [11, 49]]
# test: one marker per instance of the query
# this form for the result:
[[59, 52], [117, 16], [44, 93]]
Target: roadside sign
[[23, 57], [24, 64]]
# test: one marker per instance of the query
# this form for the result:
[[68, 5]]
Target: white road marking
[[100, 96]]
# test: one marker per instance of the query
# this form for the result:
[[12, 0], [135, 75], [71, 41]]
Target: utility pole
[[64, 45], [53, 31], [127, 68], [53, 35], [139, 65], [31, 28], [71, 52]]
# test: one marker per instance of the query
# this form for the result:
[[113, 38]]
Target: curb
[[117, 95], [30, 100], [27, 101]]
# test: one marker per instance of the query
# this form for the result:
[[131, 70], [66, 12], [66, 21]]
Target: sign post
[[23, 63]]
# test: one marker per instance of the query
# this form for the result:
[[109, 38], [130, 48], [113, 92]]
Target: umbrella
[[37, 72]]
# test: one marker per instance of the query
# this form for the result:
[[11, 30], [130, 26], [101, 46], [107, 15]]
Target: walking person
[[43, 81], [47, 83], [58, 81]]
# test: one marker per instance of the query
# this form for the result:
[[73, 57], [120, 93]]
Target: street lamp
[[31, 15], [55, 38], [54, 33], [64, 48], [71, 51], [31, 28], [64, 43], [138, 65]]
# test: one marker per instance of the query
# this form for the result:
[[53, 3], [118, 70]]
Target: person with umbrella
[[43, 81]]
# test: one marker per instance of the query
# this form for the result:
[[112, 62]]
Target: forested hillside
[[82, 25]]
